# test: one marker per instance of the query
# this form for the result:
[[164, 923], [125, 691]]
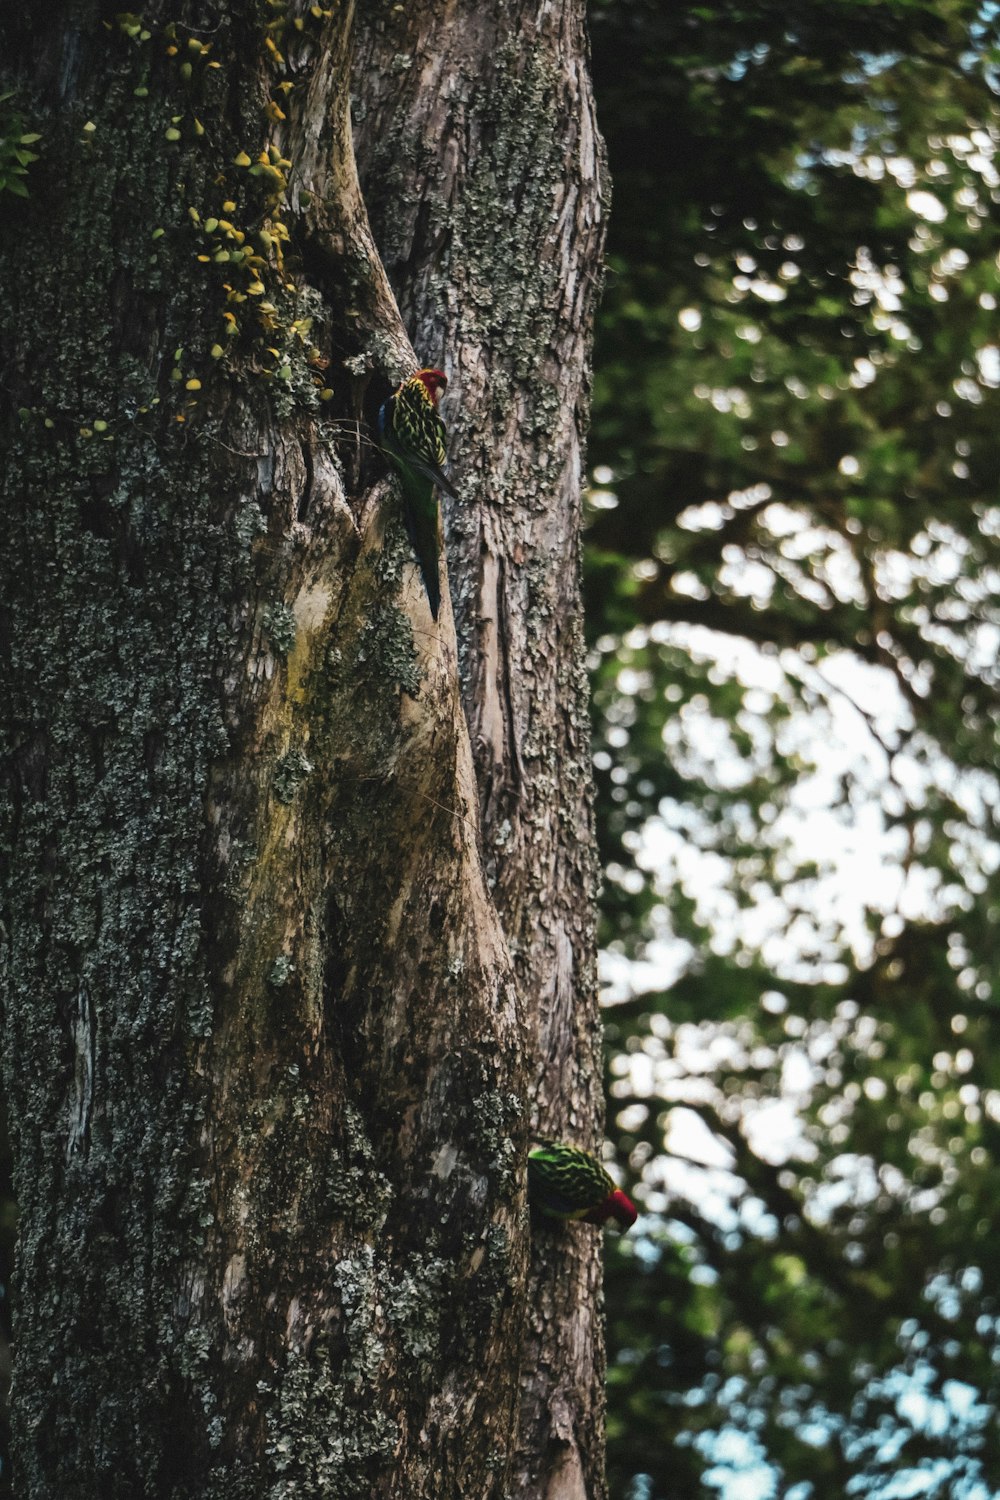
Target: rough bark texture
[[481, 168], [291, 960]]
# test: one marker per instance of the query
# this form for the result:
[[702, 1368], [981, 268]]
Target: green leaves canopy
[[794, 606]]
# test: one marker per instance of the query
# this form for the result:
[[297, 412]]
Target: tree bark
[[298, 897], [494, 249]]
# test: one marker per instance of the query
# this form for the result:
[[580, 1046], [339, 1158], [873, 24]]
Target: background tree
[[297, 933], [793, 585]]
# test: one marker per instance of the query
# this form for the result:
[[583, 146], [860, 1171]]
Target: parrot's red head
[[433, 382], [617, 1205]]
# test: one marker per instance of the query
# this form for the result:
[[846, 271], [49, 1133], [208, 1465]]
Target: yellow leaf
[[192, 385], [241, 160], [216, 351]]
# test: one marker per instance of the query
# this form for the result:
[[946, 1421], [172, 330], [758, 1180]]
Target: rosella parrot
[[413, 435]]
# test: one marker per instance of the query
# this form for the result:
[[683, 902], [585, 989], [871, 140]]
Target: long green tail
[[420, 513]]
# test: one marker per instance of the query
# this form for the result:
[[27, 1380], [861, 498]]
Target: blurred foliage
[[794, 605]]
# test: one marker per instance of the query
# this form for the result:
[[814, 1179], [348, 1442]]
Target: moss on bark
[[264, 1051]]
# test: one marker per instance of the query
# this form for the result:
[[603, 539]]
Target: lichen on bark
[[269, 1059]]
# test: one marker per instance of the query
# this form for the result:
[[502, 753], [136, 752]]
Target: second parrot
[[566, 1183]]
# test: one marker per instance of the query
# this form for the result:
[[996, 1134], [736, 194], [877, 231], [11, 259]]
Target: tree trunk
[[292, 959]]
